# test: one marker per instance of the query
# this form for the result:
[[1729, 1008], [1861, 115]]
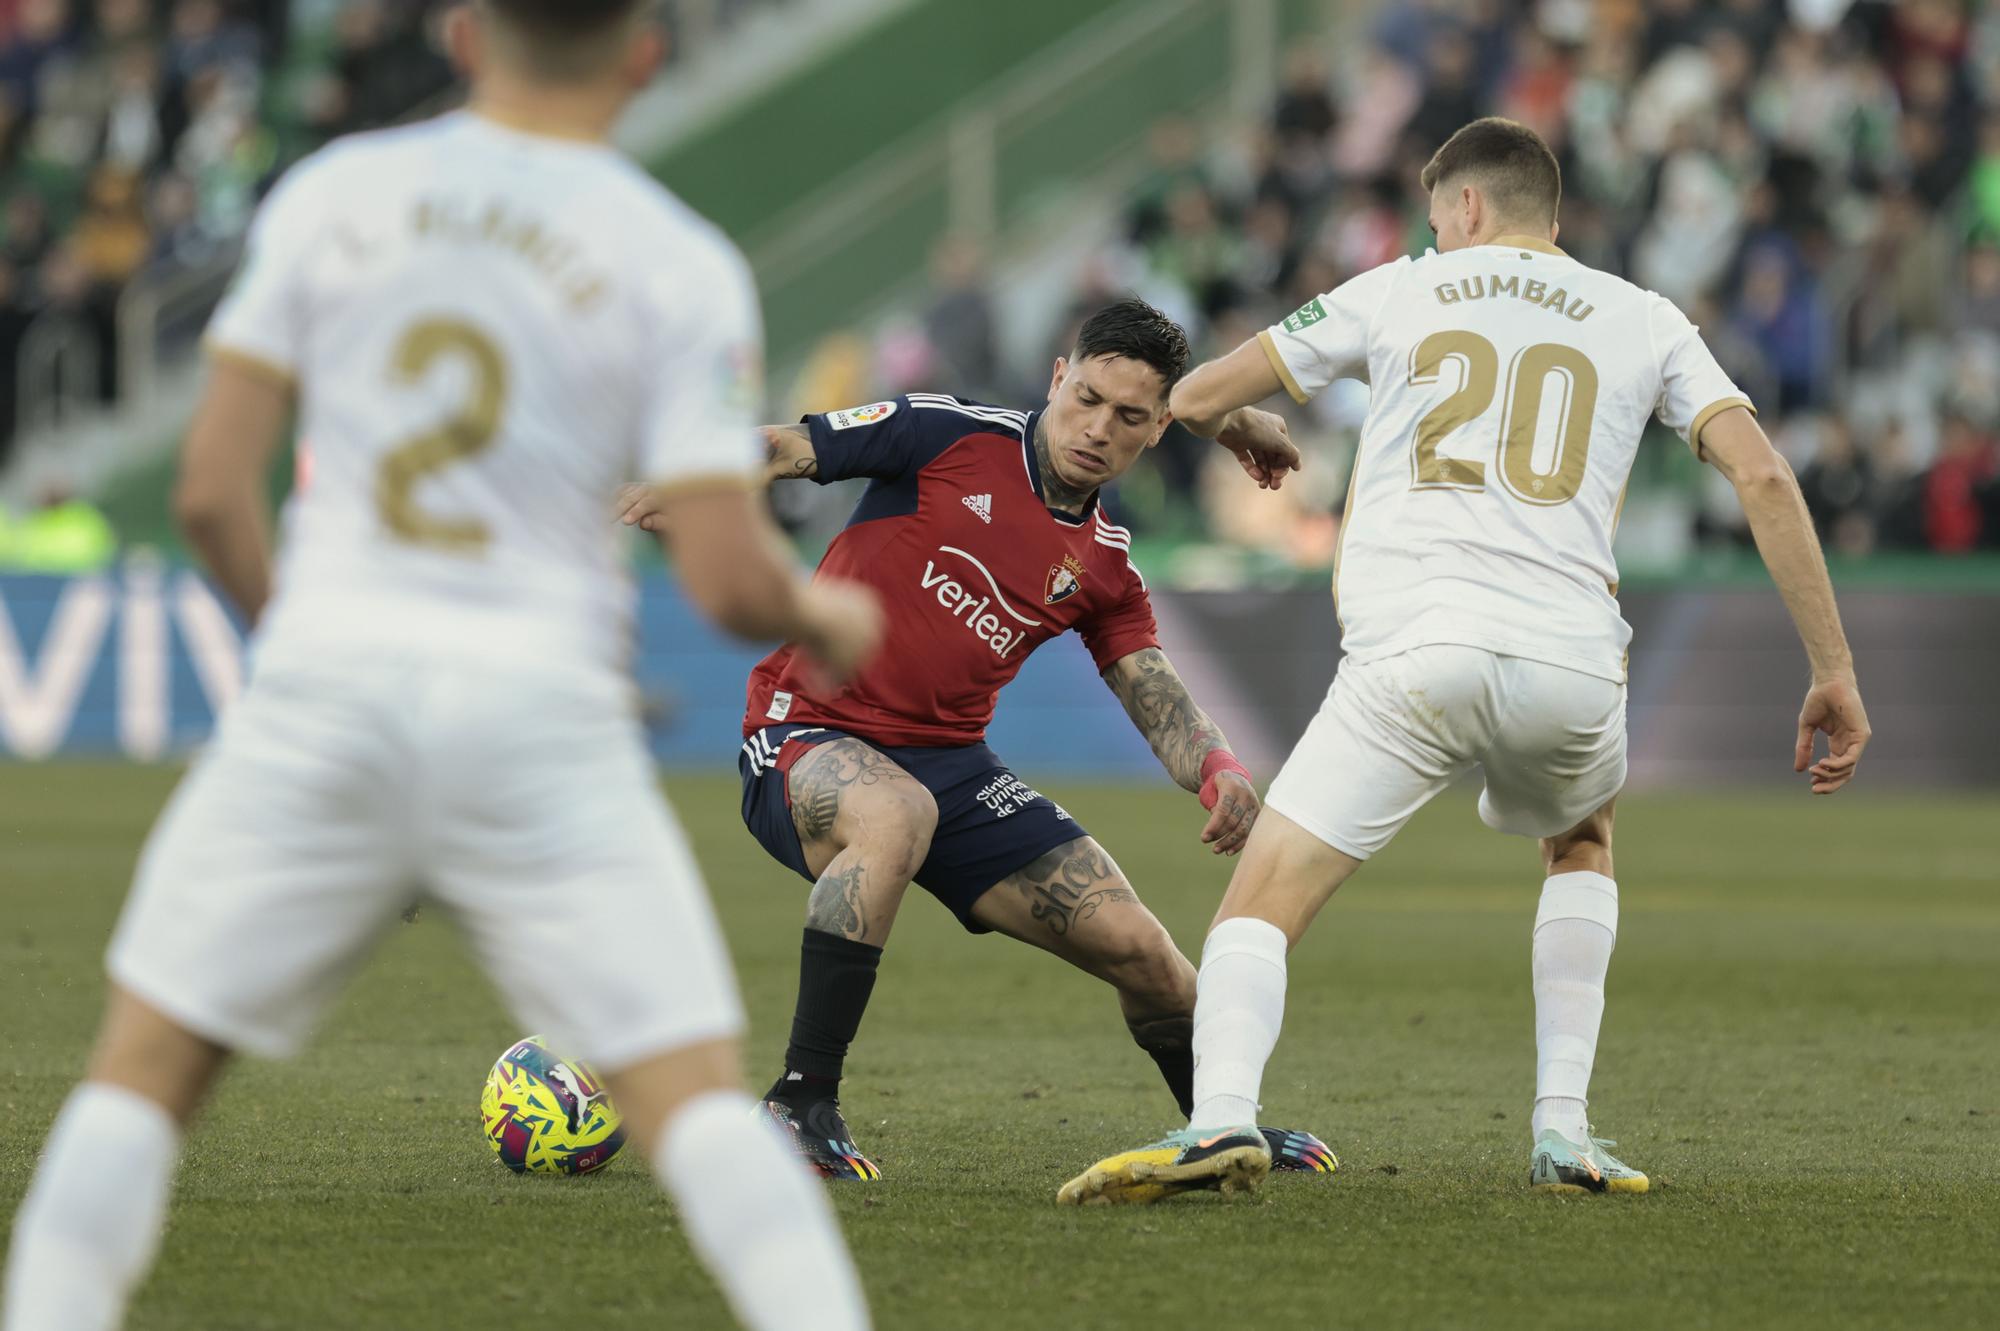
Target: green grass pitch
[[1800, 1046]]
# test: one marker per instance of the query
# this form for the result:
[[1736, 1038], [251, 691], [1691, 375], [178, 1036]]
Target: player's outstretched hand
[[843, 629], [1262, 445], [1235, 813], [1833, 707], [639, 506]]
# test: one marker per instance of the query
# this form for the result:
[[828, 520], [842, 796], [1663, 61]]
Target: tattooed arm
[[1158, 703], [1183, 737], [788, 453]]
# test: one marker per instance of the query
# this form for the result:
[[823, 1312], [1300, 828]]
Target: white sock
[[1239, 1008], [90, 1225], [1575, 930], [757, 1218]]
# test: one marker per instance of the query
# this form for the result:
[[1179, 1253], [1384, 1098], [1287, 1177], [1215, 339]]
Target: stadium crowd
[[1817, 184], [137, 135]]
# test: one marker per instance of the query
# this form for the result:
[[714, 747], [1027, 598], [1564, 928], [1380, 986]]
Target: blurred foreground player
[[1509, 389], [982, 533], [486, 322]]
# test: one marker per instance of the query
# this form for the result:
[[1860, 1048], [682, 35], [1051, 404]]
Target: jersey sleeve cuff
[[258, 366], [1709, 413], [1277, 359], [1105, 656]]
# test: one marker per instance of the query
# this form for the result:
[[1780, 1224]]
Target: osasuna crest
[[1065, 580]]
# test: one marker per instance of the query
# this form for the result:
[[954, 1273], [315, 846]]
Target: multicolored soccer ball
[[545, 1115]]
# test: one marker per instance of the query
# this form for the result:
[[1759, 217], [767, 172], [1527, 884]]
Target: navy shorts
[[990, 823]]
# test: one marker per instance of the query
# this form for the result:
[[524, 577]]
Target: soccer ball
[[543, 1115]]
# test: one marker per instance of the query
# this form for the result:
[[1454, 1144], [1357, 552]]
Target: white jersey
[[490, 331], [1509, 387]]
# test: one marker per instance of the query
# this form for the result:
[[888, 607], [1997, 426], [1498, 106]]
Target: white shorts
[[1395, 731], [525, 806]]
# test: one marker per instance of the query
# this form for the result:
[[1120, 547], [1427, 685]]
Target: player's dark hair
[[563, 18], [565, 39], [1135, 330], [1510, 164]]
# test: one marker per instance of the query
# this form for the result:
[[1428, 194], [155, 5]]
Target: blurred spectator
[[1381, 96], [135, 133], [1174, 149], [179, 238], [1451, 95], [1958, 488], [41, 30], [1899, 497], [1196, 251], [1537, 86], [1975, 304], [111, 236], [25, 235], [1304, 113], [387, 59], [960, 322], [1686, 243], [205, 37], [1839, 487], [1671, 24], [1779, 308], [1911, 268], [1741, 355]]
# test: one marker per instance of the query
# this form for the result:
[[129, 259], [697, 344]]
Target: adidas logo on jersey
[[982, 505]]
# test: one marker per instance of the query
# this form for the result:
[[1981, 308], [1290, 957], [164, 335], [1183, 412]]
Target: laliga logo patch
[[1065, 580], [873, 413]]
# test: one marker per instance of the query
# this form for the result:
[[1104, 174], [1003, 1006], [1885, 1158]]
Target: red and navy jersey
[[973, 569]]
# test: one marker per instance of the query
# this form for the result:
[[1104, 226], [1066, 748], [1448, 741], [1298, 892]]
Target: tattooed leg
[[840, 904], [1063, 890], [1075, 902], [866, 825]]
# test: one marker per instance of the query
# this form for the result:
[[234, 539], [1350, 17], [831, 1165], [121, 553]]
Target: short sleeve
[[880, 440], [1327, 338], [1124, 626], [261, 323], [1693, 387], [701, 418]]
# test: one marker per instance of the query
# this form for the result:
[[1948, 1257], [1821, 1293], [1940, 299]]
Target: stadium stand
[[137, 135], [1818, 185]]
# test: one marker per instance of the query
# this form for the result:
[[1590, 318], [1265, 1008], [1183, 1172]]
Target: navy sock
[[836, 977], [1170, 1042]]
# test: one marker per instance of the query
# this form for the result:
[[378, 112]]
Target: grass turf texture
[[1799, 1047]]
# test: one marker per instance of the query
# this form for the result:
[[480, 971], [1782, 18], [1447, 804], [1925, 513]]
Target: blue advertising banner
[[138, 663], [135, 663]]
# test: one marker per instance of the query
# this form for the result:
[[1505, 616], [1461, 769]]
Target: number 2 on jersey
[[465, 435], [1527, 378]]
